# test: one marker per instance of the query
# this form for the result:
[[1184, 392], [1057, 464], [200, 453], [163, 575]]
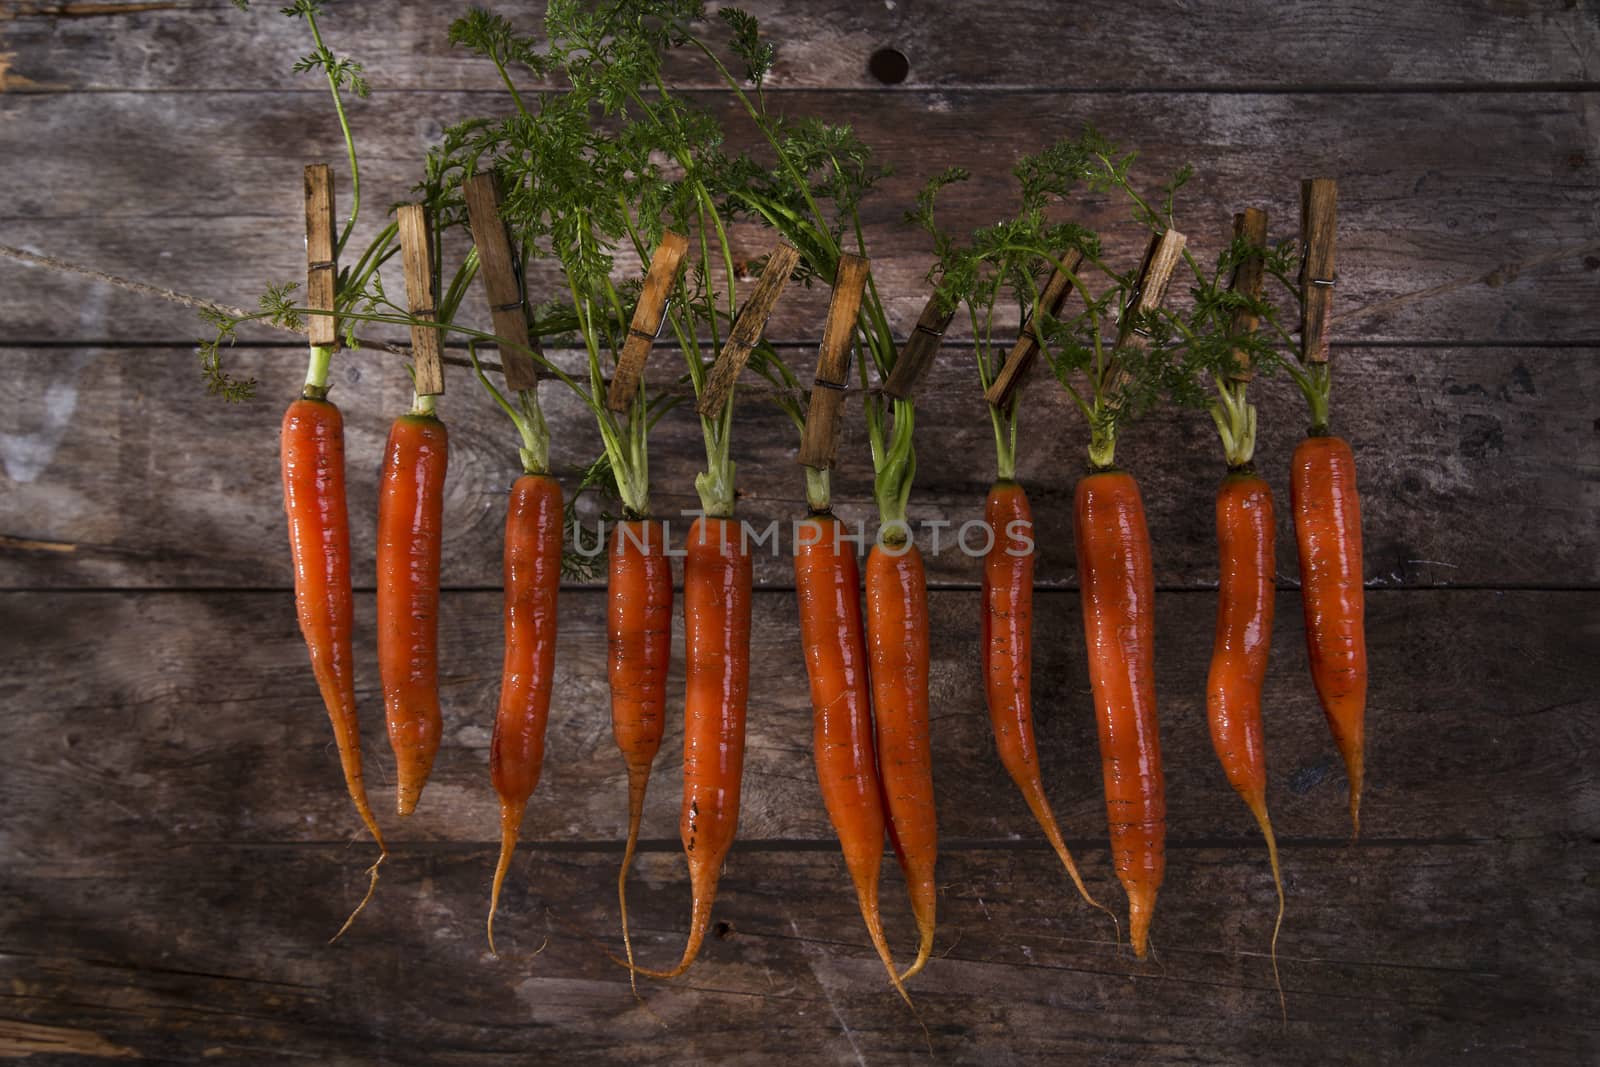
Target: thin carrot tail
[[510, 828], [410, 776], [925, 928], [1141, 910], [867, 898], [703, 876], [1033, 793], [1258, 808], [372, 887], [638, 782], [1355, 770]]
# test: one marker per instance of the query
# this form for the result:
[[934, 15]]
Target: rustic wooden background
[[175, 845]]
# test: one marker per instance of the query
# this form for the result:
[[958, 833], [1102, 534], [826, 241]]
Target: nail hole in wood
[[889, 66], [724, 931]]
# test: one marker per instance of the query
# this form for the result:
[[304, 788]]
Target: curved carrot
[[532, 580], [828, 587], [1246, 528], [410, 515], [1327, 525], [312, 455], [897, 649], [716, 614], [1007, 635], [1117, 590], [639, 626]]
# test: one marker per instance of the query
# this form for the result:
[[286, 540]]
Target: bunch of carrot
[[578, 194]]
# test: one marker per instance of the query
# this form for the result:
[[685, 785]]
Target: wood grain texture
[[1021, 975], [1026, 349], [648, 314], [1450, 229], [1319, 247], [422, 298], [184, 726], [166, 696], [830, 383], [322, 266], [1293, 44], [747, 329], [501, 285], [127, 474]]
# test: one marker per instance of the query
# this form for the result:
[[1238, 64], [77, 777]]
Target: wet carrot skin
[[312, 456], [1006, 630], [1327, 523], [532, 584], [897, 649], [1246, 531], [639, 642], [410, 521], [716, 607], [1117, 591], [828, 587]]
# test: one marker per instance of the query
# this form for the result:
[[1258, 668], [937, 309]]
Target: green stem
[[423, 405], [317, 372], [535, 449], [349, 140], [818, 496]]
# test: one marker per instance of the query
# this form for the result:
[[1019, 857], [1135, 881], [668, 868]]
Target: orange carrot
[[1327, 524], [1117, 590], [410, 516], [640, 645], [828, 586], [319, 545], [532, 581], [716, 614], [897, 649], [1246, 527], [1007, 637]]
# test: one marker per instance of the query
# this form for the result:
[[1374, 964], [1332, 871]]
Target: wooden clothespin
[[322, 257], [416, 254], [648, 316], [501, 281], [1026, 350], [911, 366], [1318, 218], [819, 441], [1248, 277], [747, 329], [1149, 287]]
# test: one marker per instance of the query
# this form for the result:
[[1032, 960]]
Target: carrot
[[640, 644], [1246, 527], [716, 613], [1327, 525], [410, 506], [319, 544], [1007, 639], [1117, 590], [532, 580], [897, 649], [828, 587]]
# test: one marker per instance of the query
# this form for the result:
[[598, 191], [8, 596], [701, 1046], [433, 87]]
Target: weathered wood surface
[[176, 845], [197, 704], [1427, 960], [1450, 229], [182, 728], [1298, 44], [129, 475]]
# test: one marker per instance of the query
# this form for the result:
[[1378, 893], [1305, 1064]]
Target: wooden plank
[[191, 954], [827, 43], [170, 703], [131, 476], [1493, 239]]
